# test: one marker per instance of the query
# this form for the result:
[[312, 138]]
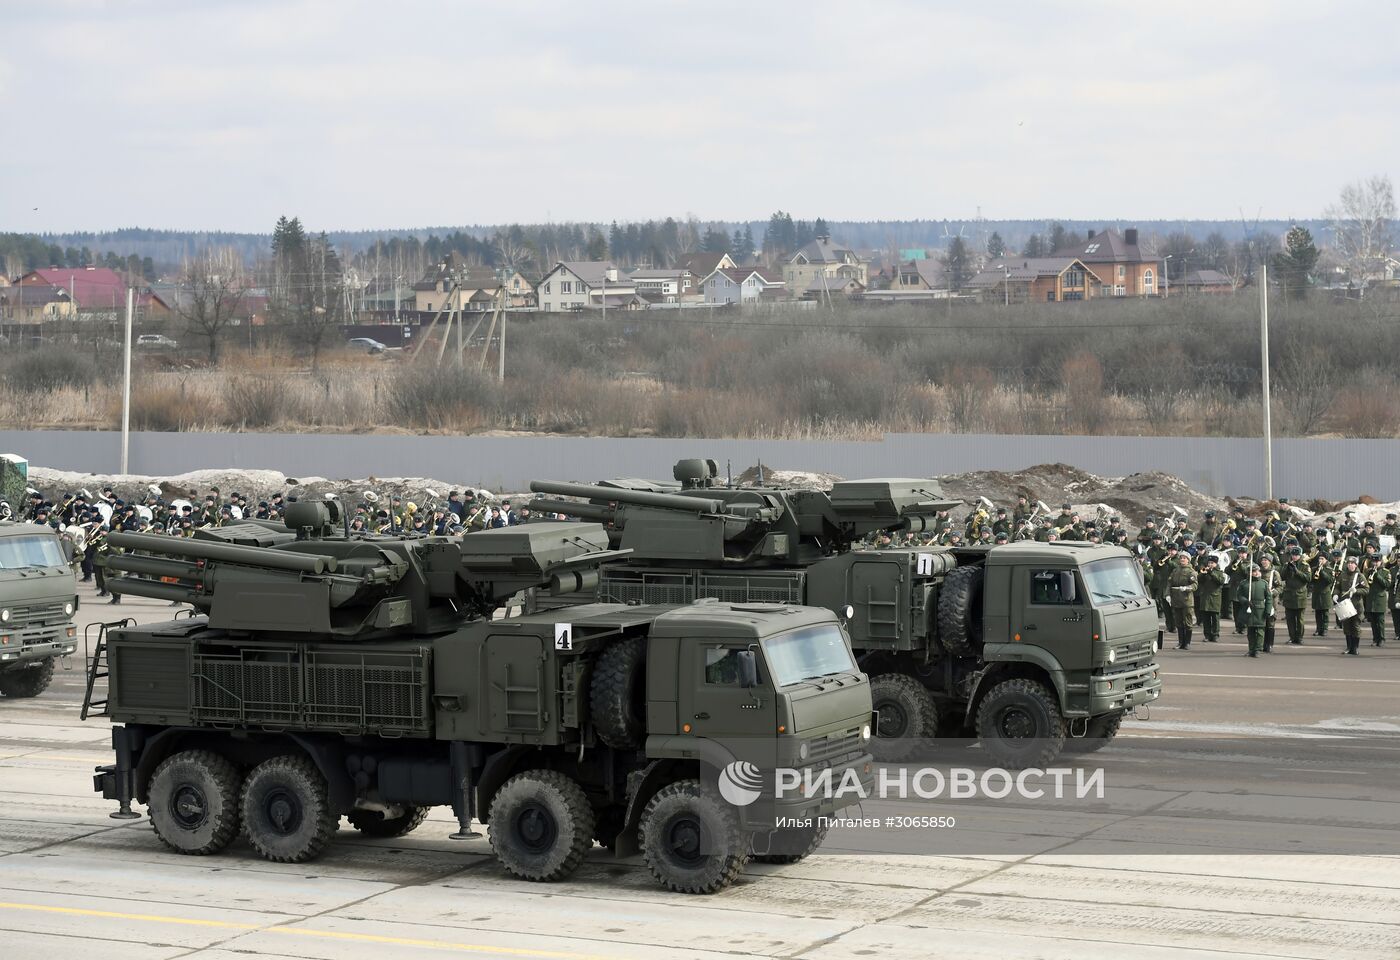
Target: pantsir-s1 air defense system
[[1031, 648], [374, 677]]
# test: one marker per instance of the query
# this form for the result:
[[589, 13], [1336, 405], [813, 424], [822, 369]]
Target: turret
[[306, 582], [743, 526]]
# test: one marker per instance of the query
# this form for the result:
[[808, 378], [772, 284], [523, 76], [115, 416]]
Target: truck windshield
[[39, 551], [1118, 578], [808, 653]]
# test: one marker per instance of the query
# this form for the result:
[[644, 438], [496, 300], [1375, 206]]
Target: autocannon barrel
[[227, 552], [583, 511], [640, 498], [152, 589], [153, 566]]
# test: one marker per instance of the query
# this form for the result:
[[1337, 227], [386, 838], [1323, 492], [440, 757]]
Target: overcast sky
[[209, 115]]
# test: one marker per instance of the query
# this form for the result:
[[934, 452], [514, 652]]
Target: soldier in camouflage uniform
[[1270, 576], [1209, 530], [1377, 595], [1391, 527], [1258, 604], [1161, 559], [1351, 584]]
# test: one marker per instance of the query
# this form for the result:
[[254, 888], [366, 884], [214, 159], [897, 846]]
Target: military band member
[[1258, 604], [1351, 584], [1297, 577], [1321, 586], [1182, 583]]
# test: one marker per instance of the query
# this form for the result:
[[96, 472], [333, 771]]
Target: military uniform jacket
[[1261, 602], [1378, 596], [1208, 532], [1296, 580], [1183, 586], [1208, 590], [1322, 580]]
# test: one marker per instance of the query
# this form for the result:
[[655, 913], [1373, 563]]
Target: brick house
[[1028, 279], [1119, 263]]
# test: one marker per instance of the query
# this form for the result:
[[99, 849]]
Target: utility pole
[[1264, 369], [126, 377]]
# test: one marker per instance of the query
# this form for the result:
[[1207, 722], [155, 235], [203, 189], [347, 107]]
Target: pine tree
[[1035, 246], [716, 241], [597, 248], [820, 229], [996, 246], [957, 263], [1294, 265]]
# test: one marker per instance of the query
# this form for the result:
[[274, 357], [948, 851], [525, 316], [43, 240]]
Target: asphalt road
[[1109, 882]]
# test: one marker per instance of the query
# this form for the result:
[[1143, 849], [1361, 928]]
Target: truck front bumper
[[817, 795], [1124, 690], [22, 645]]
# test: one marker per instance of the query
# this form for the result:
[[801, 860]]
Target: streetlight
[[1167, 276], [1006, 271]]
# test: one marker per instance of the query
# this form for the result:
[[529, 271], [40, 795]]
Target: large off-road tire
[[192, 800], [28, 681], [691, 839], [373, 823], [1020, 725], [1097, 735], [907, 714], [960, 611], [286, 811], [541, 825], [616, 694], [790, 844]]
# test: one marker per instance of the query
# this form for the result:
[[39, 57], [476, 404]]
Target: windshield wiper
[[1101, 596]]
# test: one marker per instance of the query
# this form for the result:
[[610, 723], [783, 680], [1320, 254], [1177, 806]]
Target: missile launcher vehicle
[[1031, 648], [374, 677]]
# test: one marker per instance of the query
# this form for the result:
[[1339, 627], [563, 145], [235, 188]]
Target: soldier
[[1258, 603], [1235, 599], [1182, 582], [1146, 533], [1002, 524], [1209, 529], [1307, 540], [1369, 537], [1377, 597], [1297, 578], [1351, 584], [1392, 566], [1391, 527], [1208, 597], [1021, 513], [1322, 578], [1162, 562], [1270, 575], [1045, 530], [1065, 519]]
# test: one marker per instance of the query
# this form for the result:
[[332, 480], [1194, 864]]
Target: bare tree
[[1361, 225], [1308, 380], [313, 304], [211, 291]]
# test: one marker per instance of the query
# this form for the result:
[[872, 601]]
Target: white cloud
[[357, 114]]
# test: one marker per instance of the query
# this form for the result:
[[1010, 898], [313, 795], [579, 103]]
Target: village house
[[582, 285], [741, 285], [34, 303], [675, 285], [96, 291], [1119, 263], [1208, 282], [821, 267], [454, 284], [1027, 279]]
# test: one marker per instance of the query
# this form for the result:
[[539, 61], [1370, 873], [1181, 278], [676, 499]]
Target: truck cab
[[38, 596]]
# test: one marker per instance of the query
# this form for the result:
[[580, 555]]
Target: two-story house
[[1119, 263], [1024, 279], [583, 285], [666, 285], [454, 284], [824, 266], [741, 285]]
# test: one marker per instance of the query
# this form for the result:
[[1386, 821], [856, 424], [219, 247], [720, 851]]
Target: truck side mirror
[[1068, 593], [748, 668]]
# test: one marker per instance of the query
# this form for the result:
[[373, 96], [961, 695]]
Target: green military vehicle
[[1031, 648], [38, 595], [374, 677]]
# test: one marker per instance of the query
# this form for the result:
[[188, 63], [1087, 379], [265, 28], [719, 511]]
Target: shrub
[[439, 398], [50, 368]]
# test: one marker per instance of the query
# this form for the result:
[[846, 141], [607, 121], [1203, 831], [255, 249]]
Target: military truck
[[1031, 648], [38, 595], [374, 677]]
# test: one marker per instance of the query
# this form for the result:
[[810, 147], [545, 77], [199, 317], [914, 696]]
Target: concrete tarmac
[[75, 883]]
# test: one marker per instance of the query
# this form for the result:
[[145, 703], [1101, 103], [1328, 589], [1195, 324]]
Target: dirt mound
[[1134, 497], [795, 479]]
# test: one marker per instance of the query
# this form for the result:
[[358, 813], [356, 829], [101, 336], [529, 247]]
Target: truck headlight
[[1112, 656], [5, 615], [803, 750], [865, 732], [68, 609]]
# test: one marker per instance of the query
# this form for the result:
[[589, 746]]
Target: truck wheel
[[791, 844], [906, 713], [286, 812], [192, 800], [691, 839], [616, 693], [28, 681], [960, 611], [541, 825], [1019, 724], [373, 823], [1097, 735]]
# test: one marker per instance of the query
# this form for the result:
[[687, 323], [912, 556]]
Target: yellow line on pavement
[[308, 932]]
